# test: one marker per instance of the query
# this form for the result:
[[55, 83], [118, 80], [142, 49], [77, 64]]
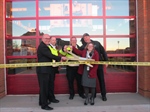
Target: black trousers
[[100, 75], [43, 80], [71, 76], [51, 83]]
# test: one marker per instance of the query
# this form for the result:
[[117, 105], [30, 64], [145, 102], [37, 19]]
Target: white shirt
[[53, 46]]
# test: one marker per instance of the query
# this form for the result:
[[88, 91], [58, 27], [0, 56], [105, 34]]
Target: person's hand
[[65, 48], [69, 48], [63, 58], [106, 65]]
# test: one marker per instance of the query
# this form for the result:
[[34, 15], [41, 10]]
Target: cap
[[85, 34]]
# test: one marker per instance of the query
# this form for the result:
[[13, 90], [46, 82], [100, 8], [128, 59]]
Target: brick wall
[[144, 46], [2, 81]]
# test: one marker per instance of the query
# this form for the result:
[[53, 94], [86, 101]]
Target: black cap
[[85, 34], [82, 40]]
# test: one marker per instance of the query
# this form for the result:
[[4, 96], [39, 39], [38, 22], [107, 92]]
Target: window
[[120, 26], [111, 22], [121, 68], [55, 27], [92, 26], [121, 45], [120, 7], [54, 8], [20, 70], [20, 9], [21, 47], [87, 7], [20, 28]]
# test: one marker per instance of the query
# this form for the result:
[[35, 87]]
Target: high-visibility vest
[[65, 53], [53, 51]]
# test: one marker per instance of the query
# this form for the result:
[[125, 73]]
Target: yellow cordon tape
[[69, 63]]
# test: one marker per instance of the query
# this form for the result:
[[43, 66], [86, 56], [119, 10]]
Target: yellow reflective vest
[[65, 53], [53, 51]]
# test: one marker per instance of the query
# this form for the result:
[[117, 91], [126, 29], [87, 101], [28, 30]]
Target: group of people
[[85, 75]]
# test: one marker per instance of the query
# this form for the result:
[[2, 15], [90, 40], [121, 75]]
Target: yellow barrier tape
[[69, 63]]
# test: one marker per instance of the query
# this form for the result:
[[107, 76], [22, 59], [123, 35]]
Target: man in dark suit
[[44, 55], [103, 57]]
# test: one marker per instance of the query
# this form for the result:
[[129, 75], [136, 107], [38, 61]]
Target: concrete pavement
[[120, 102]]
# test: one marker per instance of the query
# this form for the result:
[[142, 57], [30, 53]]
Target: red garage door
[[111, 22]]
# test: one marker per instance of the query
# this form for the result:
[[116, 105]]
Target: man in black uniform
[[72, 73], [44, 55], [103, 57]]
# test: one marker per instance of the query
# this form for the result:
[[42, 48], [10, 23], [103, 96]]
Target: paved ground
[[124, 102]]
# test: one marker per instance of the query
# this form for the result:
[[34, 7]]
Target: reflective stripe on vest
[[64, 53], [53, 51]]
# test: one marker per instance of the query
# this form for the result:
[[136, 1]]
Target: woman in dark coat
[[89, 74]]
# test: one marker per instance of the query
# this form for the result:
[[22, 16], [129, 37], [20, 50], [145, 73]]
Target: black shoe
[[92, 101], [86, 101], [104, 98], [54, 101], [82, 96], [47, 108], [71, 97]]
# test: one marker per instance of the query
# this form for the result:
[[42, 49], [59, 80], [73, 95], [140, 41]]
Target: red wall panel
[[28, 84]]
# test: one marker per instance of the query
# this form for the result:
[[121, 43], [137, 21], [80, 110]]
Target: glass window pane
[[121, 68], [120, 7], [55, 27], [21, 47], [20, 9], [54, 8], [121, 45], [21, 70], [87, 8], [20, 28], [91, 26], [120, 26]]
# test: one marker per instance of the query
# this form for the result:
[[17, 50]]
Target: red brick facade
[[2, 78], [144, 46]]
